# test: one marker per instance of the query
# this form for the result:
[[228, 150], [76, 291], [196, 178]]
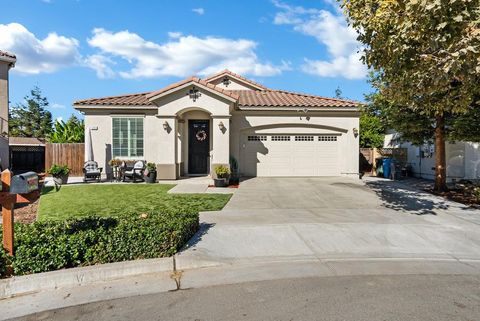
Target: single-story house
[[190, 126], [463, 158]]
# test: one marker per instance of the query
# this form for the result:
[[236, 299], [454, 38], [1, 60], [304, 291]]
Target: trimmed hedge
[[54, 245], [3, 258]]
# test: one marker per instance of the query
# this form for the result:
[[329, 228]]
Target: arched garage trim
[[293, 125]]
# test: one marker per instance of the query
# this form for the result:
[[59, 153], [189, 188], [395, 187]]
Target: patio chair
[[91, 171], [135, 173]]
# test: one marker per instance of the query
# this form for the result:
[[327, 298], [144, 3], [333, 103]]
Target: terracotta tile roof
[[139, 99], [228, 72], [8, 57], [7, 54], [197, 80], [245, 98], [26, 141], [281, 98]]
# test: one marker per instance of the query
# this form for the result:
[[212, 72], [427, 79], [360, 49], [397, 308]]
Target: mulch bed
[[460, 195]]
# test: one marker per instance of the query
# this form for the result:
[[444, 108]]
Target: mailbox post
[[17, 189]]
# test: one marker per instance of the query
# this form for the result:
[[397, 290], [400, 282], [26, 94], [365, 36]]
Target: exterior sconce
[[355, 132], [165, 125], [221, 126]]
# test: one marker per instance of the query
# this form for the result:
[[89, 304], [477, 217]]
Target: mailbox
[[24, 183]]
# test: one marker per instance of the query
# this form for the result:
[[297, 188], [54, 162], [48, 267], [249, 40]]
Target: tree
[[427, 53], [72, 131], [32, 119], [420, 128], [372, 131]]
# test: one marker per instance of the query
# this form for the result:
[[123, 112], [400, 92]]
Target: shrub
[[3, 259], [222, 171], [58, 170], [48, 246], [151, 167]]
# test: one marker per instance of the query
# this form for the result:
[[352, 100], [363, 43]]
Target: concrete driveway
[[304, 219]]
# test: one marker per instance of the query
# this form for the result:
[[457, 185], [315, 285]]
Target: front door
[[198, 146]]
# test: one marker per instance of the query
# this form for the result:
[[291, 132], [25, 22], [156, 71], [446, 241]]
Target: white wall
[[102, 136], [463, 161]]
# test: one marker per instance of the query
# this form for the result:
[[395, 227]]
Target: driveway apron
[[289, 219]]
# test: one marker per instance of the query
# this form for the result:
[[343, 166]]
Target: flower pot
[[60, 179], [220, 182], [151, 177]]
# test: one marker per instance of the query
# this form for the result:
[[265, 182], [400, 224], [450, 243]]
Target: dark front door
[[198, 146]]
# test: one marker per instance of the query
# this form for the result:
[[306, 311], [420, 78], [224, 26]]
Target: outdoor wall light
[[165, 125], [221, 125], [355, 131]]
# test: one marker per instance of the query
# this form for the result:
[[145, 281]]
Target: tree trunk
[[440, 158]]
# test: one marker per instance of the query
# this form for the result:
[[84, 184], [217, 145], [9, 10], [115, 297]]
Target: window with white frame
[[127, 137]]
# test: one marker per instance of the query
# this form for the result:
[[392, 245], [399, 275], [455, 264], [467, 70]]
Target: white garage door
[[290, 155]]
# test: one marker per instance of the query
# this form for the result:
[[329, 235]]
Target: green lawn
[[111, 200]]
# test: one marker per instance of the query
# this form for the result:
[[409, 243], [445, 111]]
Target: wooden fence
[[72, 155], [369, 155]]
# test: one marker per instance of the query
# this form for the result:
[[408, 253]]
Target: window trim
[[143, 138]]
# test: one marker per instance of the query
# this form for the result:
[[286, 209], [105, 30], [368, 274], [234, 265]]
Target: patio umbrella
[[88, 145]]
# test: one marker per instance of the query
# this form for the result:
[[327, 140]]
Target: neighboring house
[[463, 158], [7, 61], [195, 124], [27, 154]]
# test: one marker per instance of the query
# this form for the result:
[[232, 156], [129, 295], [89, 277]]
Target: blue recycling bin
[[386, 167]]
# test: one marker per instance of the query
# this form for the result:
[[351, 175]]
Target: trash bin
[[386, 167]]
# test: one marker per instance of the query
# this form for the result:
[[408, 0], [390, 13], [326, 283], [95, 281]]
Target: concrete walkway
[[291, 219]]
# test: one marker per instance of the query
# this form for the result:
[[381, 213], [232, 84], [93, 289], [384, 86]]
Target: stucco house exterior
[[190, 126], [7, 61]]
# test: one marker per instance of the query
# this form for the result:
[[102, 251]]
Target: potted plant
[[59, 173], [222, 172], [151, 173], [234, 176]]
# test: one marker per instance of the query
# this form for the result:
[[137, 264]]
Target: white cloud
[[331, 30], [347, 67], [101, 64], [174, 34], [199, 11], [57, 106], [35, 55], [182, 56]]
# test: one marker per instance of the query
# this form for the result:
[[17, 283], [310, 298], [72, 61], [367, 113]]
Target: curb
[[20, 285]]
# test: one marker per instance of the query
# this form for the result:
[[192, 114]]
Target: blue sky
[[74, 49]]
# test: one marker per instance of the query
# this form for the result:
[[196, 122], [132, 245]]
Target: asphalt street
[[407, 297]]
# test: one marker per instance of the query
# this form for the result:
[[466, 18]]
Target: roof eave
[[298, 108], [9, 60], [120, 107]]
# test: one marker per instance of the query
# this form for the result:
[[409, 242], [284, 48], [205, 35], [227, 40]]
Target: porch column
[[167, 155], [220, 141]]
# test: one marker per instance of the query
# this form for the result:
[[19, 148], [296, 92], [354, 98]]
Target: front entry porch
[[197, 141]]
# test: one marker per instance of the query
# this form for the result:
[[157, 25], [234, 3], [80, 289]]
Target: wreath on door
[[201, 135]]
